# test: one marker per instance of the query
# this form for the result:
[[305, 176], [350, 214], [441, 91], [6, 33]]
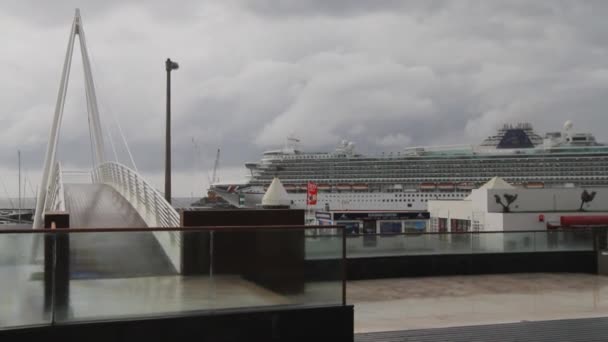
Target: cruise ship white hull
[[251, 198]]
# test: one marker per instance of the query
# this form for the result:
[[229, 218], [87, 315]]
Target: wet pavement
[[435, 302]]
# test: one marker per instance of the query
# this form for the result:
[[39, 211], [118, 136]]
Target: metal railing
[[147, 201]]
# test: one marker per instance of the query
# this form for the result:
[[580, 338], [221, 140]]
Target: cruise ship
[[406, 180]]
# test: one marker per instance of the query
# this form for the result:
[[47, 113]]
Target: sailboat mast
[[19, 162]]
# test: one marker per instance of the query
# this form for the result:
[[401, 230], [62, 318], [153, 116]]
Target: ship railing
[[147, 201]]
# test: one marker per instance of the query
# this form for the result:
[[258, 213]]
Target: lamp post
[[169, 65]]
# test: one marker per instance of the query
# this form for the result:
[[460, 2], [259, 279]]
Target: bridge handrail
[[55, 198], [149, 203]]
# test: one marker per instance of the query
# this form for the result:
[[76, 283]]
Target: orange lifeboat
[[535, 185], [465, 186], [445, 186], [427, 186], [343, 187], [324, 187], [360, 187]]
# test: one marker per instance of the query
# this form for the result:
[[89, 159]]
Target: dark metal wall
[[330, 323], [439, 265]]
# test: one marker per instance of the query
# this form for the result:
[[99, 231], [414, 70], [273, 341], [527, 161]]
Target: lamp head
[[171, 65]]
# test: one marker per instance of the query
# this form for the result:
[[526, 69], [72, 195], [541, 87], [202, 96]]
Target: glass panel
[[564, 240], [488, 242], [417, 244], [115, 275], [459, 243], [390, 227], [392, 244], [22, 280], [268, 268], [324, 246], [371, 245], [414, 226]]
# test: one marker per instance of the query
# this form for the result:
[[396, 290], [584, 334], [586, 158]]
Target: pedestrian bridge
[[114, 195]]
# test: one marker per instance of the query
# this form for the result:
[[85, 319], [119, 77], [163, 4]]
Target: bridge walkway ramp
[[110, 255]]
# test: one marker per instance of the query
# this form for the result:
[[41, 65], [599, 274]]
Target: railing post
[[137, 198], [145, 200], [156, 211], [57, 264], [127, 183]]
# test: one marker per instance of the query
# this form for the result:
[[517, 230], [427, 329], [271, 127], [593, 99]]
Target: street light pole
[[169, 65]]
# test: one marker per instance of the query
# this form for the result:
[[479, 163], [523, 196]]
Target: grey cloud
[[337, 7], [56, 13], [379, 73]]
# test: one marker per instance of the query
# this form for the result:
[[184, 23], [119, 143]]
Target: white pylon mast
[[90, 93], [92, 109]]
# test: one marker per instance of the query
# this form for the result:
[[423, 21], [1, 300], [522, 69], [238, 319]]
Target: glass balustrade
[[77, 275], [411, 244]]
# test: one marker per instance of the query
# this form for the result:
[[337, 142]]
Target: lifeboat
[[465, 186], [323, 187], [360, 187], [290, 187], [535, 185], [303, 187], [427, 186], [445, 186], [343, 187]]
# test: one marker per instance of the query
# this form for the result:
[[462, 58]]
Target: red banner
[[312, 190]]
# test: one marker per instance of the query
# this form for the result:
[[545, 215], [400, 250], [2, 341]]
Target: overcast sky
[[385, 74]]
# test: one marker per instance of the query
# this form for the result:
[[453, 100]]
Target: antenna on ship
[[292, 142]]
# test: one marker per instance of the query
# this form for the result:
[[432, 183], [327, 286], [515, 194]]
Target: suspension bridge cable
[[125, 142], [111, 138], [107, 109], [7, 195], [29, 182]]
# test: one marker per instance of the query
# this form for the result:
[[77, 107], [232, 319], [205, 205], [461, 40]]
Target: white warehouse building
[[499, 206]]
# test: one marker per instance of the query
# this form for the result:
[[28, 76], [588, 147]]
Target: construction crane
[[214, 176], [211, 195]]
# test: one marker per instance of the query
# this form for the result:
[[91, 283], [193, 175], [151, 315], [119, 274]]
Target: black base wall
[[331, 323], [439, 265]]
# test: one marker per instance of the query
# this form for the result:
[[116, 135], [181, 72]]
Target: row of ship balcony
[[578, 168], [425, 186], [597, 161], [447, 184], [421, 179], [454, 173], [490, 159], [425, 165]]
